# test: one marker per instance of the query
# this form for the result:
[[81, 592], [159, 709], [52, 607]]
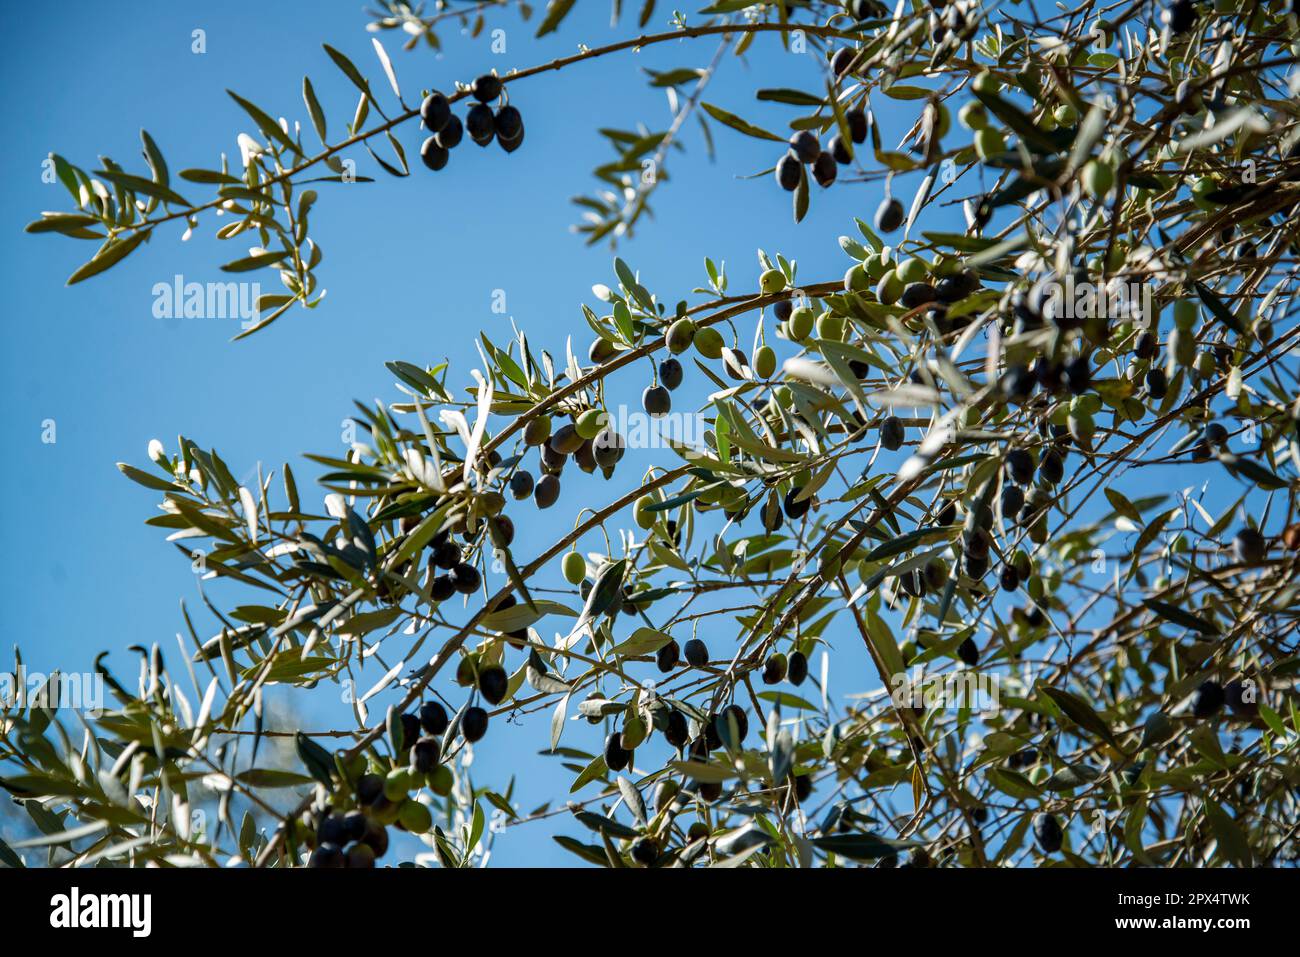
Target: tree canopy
[[976, 464]]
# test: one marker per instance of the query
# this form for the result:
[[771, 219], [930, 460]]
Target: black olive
[[486, 88], [697, 653], [425, 754], [678, 731], [668, 656], [794, 508], [616, 757], [804, 146], [892, 433], [546, 491], [474, 723], [435, 111], [466, 578], [1209, 699], [433, 717], [327, 855], [797, 668], [492, 684], [1048, 834]]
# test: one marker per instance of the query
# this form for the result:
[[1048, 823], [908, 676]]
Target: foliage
[[1029, 523]]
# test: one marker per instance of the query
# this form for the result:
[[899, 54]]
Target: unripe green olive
[[680, 335], [397, 783], [989, 142], [537, 430], [590, 423], [764, 362], [772, 280], [708, 342], [974, 116], [415, 817], [645, 519], [889, 288], [574, 567], [801, 323], [912, 270], [1098, 178], [830, 326]]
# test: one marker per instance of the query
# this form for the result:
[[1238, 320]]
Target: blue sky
[[410, 265]]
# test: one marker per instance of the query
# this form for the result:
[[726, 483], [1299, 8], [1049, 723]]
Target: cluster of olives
[[805, 150], [357, 836], [590, 438], [446, 130], [450, 573]]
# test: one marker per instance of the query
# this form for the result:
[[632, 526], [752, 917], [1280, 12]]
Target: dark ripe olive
[[721, 724], [1009, 578], [803, 787], [645, 851], [608, 447], [1013, 500], [327, 855], [782, 310], [513, 144], [331, 830], [447, 555], [842, 59], [600, 350], [410, 729], [975, 566], [1249, 546], [1078, 375], [1181, 16], [354, 826], [435, 111], [1157, 383], [480, 124], [486, 88], [797, 668], [916, 294], [889, 216], [668, 657], [509, 123], [947, 515], [1215, 433], [1034, 615], [1052, 468], [425, 754], [433, 717], [1242, 697], [1021, 466], [442, 588], [678, 731], [450, 135], [1145, 347], [670, 373], [370, 788], [432, 155], [968, 652], [710, 791], [735, 364], [712, 740], [697, 653], [656, 400], [774, 669], [552, 461], [566, 440], [788, 172], [465, 578], [1048, 834], [521, 484], [547, 491], [586, 456], [1209, 699], [857, 122], [892, 433], [492, 684], [616, 757], [804, 146], [796, 508], [474, 723], [824, 168]]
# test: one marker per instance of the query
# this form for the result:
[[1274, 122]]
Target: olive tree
[[969, 464]]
